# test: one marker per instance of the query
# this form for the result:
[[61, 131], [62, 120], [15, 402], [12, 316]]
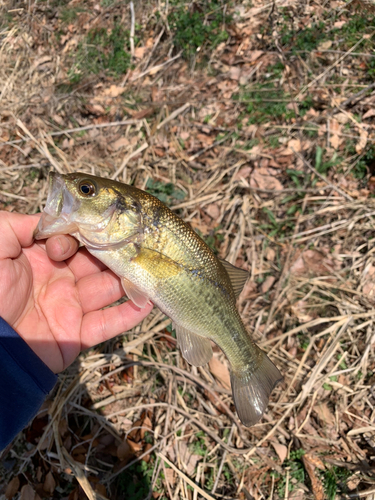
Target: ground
[[254, 122]]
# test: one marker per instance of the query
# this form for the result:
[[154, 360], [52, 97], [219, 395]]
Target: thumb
[[16, 233]]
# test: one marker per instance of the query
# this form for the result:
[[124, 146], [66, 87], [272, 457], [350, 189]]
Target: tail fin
[[252, 389]]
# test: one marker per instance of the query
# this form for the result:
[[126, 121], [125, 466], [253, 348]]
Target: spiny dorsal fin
[[236, 275], [195, 349]]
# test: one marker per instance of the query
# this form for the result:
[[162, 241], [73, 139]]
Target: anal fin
[[195, 349], [252, 389], [134, 294]]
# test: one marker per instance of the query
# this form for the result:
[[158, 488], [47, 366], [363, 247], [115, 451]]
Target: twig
[[332, 186], [132, 28], [77, 129], [222, 461], [204, 150], [185, 477], [155, 69], [358, 96], [326, 71], [128, 158], [173, 115]]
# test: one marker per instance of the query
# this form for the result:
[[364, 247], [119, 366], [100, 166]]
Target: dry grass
[[256, 192]]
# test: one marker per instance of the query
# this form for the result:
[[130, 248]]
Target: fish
[[160, 259]]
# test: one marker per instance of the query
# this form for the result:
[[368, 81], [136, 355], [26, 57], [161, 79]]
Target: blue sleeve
[[24, 383]]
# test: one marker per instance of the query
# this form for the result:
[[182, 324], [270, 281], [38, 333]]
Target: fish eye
[[87, 188]]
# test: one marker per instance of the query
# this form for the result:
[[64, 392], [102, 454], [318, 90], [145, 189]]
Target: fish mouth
[[59, 207]]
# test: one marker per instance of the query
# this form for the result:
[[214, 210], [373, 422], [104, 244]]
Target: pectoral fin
[[195, 349], [134, 294], [251, 389], [236, 275]]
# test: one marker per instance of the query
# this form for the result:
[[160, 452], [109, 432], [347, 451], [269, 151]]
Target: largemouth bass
[[160, 258]]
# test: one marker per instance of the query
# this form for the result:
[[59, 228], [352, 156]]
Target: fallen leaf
[[262, 179], [267, 284], [339, 24], [299, 311], [281, 450], [120, 143], [295, 144], [235, 73], [170, 476], [335, 141], [325, 45], [139, 52], [361, 144], [298, 494], [369, 113], [242, 173], [12, 488], [270, 254], [114, 91], [27, 493], [213, 210], [124, 451], [253, 55], [220, 371], [312, 262], [49, 483], [316, 483]]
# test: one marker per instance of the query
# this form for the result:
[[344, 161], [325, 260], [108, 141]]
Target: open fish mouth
[[59, 207]]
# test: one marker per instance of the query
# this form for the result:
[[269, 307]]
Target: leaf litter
[[260, 134]]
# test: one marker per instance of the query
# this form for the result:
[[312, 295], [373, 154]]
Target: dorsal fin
[[236, 275]]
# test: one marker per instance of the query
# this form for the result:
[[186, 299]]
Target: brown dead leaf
[[170, 476], [361, 144], [335, 141], [369, 114], [300, 312], [49, 484], [281, 450], [120, 143], [188, 459], [135, 447], [27, 493], [264, 178], [325, 45], [139, 52], [267, 284], [310, 463], [234, 73], [220, 371], [312, 262], [253, 55], [243, 173], [298, 494], [213, 210], [124, 451], [295, 144], [114, 91], [12, 488]]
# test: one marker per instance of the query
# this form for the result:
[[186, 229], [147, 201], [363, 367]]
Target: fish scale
[[161, 259]]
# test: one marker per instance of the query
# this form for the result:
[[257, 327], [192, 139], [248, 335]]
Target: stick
[[128, 158], [185, 477], [338, 190], [132, 28], [173, 115], [329, 68]]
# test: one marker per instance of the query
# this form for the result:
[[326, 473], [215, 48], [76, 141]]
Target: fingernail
[[64, 245]]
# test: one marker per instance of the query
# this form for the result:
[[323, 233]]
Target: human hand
[[52, 294]]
